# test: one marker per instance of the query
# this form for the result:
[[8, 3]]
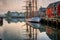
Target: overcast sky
[[16, 5]]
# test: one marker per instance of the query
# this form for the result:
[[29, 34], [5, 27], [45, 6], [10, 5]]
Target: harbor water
[[16, 30]]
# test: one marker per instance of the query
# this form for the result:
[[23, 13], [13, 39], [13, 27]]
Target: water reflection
[[38, 26], [52, 33], [13, 31], [16, 30], [15, 20]]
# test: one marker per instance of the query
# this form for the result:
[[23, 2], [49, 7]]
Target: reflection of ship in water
[[37, 26], [14, 20]]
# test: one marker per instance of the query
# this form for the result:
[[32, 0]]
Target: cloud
[[45, 3], [16, 5], [12, 5]]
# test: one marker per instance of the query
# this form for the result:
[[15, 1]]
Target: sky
[[17, 5]]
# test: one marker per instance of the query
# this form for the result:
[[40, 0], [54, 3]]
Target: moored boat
[[34, 19]]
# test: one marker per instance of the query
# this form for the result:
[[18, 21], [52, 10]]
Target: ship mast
[[31, 8]]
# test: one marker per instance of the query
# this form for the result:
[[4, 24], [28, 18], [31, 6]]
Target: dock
[[53, 22]]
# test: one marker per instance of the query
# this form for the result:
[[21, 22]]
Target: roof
[[42, 9], [53, 4]]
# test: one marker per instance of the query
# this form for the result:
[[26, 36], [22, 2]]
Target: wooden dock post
[[33, 33], [27, 27], [36, 34], [1, 21], [30, 34]]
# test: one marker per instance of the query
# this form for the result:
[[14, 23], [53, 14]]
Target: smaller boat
[[34, 19]]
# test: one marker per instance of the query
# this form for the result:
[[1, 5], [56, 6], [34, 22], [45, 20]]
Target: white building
[[42, 11]]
